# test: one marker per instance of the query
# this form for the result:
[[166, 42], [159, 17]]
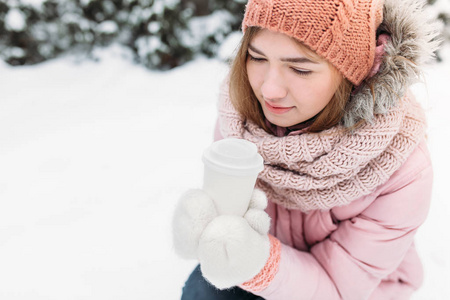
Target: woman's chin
[[281, 122]]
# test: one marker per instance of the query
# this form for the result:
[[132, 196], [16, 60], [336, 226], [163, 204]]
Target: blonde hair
[[246, 103]]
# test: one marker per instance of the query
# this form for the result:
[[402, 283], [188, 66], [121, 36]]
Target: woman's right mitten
[[194, 211]]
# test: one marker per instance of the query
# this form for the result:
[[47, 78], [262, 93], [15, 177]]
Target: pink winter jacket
[[364, 250]]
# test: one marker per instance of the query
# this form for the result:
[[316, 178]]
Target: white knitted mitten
[[194, 211], [234, 249]]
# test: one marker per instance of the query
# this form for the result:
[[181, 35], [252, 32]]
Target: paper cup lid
[[234, 157]]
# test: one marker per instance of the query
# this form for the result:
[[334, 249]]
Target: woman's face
[[290, 86]]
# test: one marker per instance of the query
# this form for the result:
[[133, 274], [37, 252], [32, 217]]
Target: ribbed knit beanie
[[341, 31]]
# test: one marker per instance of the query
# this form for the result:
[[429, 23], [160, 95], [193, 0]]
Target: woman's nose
[[273, 87]]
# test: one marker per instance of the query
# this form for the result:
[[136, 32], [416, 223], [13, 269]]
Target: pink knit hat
[[341, 31]]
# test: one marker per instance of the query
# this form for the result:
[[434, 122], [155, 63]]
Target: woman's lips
[[277, 109]]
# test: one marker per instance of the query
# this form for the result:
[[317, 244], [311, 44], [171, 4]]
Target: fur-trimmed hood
[[414, 38]]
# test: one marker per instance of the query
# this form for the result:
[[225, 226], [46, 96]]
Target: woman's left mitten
[[194, 211]]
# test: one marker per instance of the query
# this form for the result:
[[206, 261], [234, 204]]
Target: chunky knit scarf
[[332, 168]]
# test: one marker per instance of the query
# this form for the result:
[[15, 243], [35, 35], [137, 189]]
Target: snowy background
[[94, 155]]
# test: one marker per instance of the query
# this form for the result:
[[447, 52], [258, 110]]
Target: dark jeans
[[197, 288]]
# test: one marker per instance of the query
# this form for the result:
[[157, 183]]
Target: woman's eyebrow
[[285, 59]]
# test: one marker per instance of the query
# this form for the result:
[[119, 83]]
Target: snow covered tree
[[162, 34], [441, 11]]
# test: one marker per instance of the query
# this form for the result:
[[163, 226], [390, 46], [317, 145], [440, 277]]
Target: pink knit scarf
[[332, 168]]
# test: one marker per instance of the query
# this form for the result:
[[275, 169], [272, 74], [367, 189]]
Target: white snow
[[149, 44], [108, 27], [15, 52], [35, 3], [153, 27], [214, 24], [229, 46], [94, 155], [440, 6], [159, 5], [15, 20], [210, 24]]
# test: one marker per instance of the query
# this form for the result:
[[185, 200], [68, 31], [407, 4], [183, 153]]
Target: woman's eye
[[257, 59], [301, 72]]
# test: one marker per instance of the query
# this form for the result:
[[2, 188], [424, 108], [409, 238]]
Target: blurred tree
[[201, 7], [162, 34], [441, 10]]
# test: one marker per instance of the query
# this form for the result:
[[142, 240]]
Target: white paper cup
[[231, 169]]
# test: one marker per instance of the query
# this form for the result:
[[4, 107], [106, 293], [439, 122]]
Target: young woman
[[321, 88]]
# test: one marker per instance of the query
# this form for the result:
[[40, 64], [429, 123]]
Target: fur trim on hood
[[413, 40]]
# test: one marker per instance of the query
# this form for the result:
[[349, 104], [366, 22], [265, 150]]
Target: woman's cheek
[[253, 77]]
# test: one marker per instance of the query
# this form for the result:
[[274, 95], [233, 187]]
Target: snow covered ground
[[94, 155]]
